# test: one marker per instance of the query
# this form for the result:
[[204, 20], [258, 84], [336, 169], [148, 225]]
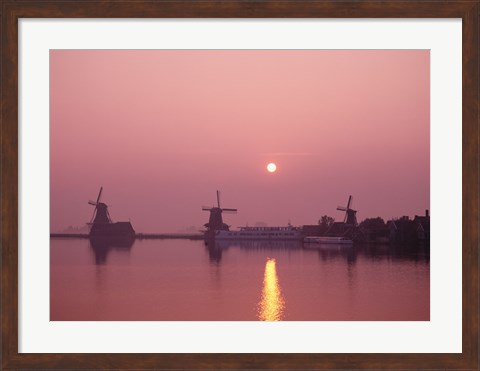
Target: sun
[[271, 167]]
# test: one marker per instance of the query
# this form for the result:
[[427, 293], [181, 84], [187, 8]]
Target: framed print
[[123, 120]]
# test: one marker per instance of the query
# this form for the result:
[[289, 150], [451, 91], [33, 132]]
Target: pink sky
[[162, 130]]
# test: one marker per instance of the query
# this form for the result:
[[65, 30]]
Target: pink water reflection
[[183, 280]]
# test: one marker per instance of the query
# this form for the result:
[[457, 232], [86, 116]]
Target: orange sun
[[271, 167]]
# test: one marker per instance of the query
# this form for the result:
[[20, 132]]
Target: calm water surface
[[186, 280]]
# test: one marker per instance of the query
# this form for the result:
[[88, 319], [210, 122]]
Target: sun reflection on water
[[272, 303]]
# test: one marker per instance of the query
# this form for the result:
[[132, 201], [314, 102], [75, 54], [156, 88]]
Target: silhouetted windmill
[[350, 214], [349, 227], [102, 226], [215, 222], [100, 214]]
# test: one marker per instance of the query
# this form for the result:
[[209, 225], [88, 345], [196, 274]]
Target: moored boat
[[260, 233], [324, 240]]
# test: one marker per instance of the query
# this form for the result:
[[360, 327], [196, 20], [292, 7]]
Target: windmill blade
[[218, 198], [93, 216], [341, 208], [206, 208], [99, 195], [349, 202], [90, 202], [229, 211]]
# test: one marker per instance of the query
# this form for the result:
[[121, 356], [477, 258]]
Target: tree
[[373, 223], [325, 222]]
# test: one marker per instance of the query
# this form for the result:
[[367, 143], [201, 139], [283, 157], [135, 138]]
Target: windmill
[[100, 214], [350, 214], [215, 222]]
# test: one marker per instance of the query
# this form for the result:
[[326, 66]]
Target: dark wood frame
[[12, 10]]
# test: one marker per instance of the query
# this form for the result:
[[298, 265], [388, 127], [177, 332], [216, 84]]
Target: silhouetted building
[[423, 226], [404, 230]]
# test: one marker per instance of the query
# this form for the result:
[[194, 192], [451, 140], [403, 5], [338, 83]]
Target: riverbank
[[140, 236]]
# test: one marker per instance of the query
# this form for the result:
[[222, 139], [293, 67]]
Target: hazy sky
[[162, 130]]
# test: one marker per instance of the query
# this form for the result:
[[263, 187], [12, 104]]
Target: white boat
[[261, 233], [323, 240]]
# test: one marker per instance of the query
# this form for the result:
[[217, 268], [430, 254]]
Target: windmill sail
[[350, 214]]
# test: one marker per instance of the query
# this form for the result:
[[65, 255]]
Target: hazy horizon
[[162, 130]]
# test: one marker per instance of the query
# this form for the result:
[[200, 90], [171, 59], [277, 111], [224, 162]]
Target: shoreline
[[139, 236]]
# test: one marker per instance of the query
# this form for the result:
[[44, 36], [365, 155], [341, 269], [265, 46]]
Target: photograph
[[239, 185]]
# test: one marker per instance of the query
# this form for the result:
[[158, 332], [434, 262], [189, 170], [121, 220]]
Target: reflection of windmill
[[215, 222], [350, 214], [101, 246], [100, 214]]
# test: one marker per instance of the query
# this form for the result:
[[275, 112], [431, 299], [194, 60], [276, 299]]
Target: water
[[180, 280]]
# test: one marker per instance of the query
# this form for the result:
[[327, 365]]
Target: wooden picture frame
[[13, 10]]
